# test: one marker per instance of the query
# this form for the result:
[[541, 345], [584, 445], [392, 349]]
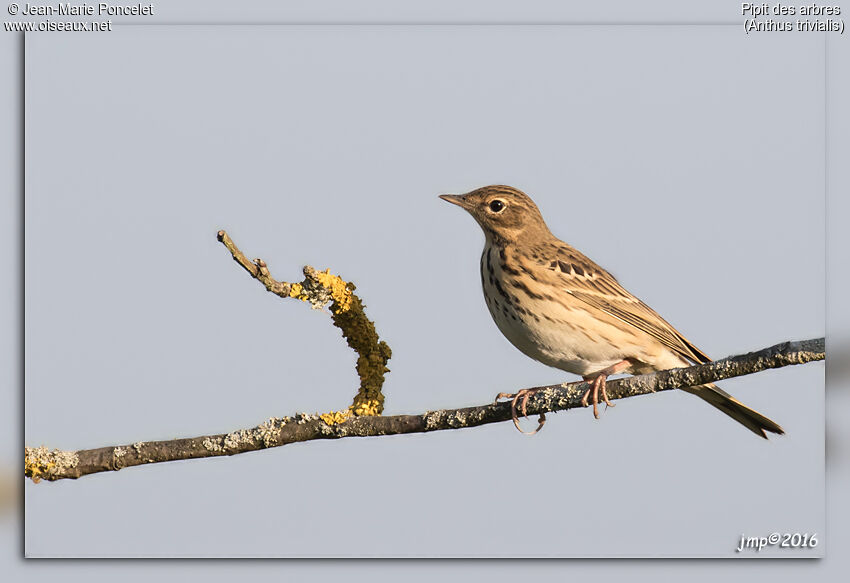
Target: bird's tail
[[752, 420]]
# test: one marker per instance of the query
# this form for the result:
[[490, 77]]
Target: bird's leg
[[523, 395], [598, 382]]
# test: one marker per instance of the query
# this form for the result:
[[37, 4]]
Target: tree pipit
[[562, 309]]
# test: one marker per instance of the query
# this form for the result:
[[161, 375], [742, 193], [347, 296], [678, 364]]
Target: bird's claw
[[597, 385], [521, 398]]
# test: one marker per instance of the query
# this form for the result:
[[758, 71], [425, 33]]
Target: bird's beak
[[458, 199]]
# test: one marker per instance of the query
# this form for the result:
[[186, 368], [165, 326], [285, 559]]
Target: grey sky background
[[661, 152]]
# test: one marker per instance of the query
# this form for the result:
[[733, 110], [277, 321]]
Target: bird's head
[[505, 213]]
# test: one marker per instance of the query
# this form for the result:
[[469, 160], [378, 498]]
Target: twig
[[56, 465], [347, 310]]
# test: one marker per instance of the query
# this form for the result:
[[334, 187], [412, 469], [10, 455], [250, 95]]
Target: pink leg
[[598, 382], [524, 394]]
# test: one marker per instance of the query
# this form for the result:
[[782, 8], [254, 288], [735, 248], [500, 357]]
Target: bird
[[560, 308]]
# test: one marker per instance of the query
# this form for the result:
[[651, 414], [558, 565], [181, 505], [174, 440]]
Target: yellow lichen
[[39, 462], [321, 287], [340, 291], [335, 417], [296, 291], [363, 405]]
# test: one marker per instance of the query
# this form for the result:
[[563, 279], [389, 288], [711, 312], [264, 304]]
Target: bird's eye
[[497, 206]]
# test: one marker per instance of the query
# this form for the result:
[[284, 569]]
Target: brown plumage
[[562, 309]]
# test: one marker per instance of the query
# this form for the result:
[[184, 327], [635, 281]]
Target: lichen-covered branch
[[57, 465], [318, 289]]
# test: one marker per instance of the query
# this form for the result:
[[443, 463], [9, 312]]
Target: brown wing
[[588, 282]]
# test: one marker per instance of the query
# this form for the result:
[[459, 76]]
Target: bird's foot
[[597, 386], [521, 398]]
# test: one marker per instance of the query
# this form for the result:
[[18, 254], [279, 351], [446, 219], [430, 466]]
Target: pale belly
[[556, 345], [572, 338]]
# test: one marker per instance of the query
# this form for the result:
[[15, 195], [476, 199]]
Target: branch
[[320, 288], [56, 465]]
